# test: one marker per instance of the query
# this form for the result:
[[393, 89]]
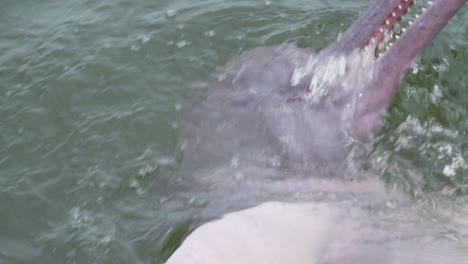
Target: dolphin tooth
[[410, 22], [397, 36], [403, 29], [417, 16], [381, 29], [394, 14], [430, 2], [387, 22], [400, 7], [424, 9]]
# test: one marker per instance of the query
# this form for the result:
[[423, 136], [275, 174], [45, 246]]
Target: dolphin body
[[284, 124]]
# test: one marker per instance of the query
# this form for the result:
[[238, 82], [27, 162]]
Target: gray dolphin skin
[[285, 124]]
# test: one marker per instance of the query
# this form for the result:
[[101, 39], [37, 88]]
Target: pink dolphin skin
[[312, 233], [278, 131]]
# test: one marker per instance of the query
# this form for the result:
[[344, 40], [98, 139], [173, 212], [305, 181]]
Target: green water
[[91, 94]]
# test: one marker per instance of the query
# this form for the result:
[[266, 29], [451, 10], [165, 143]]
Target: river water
[[91, 96]]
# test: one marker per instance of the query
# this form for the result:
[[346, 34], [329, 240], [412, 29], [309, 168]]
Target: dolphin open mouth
[[392, 27], [387, 22], [372, 57], [426, 16], [399, 31]]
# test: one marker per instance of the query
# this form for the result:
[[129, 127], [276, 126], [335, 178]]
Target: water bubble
[[106, 239], [449, 170], [240, 37], [143, 172], [182, 43], [239, 177], [170, 13], [392, 204], [144, 38], [134, 184], [234, 162], [415, 68], [457, 163], [210, 33], [436, 94]]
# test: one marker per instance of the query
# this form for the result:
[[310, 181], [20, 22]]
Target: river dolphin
[[285, 124]]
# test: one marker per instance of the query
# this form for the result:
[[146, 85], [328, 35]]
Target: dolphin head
[[283, 105]]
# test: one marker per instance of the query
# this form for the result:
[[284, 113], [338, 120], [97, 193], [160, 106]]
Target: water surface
[[91, 95]]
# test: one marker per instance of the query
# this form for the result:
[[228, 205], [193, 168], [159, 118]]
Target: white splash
[[335, 75], [447, 150]]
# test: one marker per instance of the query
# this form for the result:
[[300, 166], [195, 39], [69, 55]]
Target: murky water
[[91, 95]]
